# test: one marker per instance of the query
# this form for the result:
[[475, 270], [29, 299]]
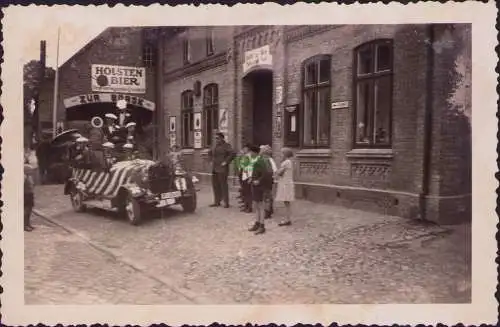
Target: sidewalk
[[329, 255]]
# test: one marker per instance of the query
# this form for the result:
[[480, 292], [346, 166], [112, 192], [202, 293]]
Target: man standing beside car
[[221, 155]]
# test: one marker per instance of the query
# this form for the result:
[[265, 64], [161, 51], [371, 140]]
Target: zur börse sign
[[107, 78], [108, 98]]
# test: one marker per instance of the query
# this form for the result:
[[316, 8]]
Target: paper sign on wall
[[279, 94], [198, 141], [293, 123]]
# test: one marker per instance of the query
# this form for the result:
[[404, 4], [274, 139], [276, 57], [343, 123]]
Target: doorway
[[258, 102]]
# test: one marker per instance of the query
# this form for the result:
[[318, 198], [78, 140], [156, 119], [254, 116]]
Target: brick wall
[[408, 102], [179, 77], [121, 46]]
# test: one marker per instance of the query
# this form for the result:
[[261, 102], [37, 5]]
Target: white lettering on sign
[[257, 57], [106, 78], [108, 98], [340, 105]]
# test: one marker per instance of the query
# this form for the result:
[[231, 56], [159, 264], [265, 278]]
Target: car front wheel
[[132, 210]]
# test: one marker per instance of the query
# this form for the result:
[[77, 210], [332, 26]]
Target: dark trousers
[[220, 187], [29, 201]]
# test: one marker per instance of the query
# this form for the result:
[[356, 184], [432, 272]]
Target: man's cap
[[112, 116], [254, 148], [130, 124], [108, 145], [128, 146], [82, 139]]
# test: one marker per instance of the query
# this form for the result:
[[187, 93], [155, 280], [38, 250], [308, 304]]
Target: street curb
[[185, 293]]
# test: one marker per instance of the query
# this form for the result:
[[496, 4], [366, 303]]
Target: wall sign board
[[340, 105], [124, 79], [257, 57]]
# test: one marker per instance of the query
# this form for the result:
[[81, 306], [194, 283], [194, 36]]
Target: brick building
[[120, 63], [378, 115]]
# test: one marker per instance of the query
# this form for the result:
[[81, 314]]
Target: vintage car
[[132, 188]]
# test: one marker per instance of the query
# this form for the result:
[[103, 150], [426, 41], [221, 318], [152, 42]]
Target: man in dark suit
[[222, 155]]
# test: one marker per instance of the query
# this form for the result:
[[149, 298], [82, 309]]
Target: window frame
[[314, 88], [186, 51], [189, 111], [148, 56], [211, 110], [371, 78], [209, 43]]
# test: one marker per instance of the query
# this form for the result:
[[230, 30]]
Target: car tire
[[189, 203], [76, 198], [132, 210]]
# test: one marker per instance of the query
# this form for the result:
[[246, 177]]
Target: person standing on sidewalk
[[266, 152], [240, 166], [286, 188], [221, 155], [29, 194], [261, 179]]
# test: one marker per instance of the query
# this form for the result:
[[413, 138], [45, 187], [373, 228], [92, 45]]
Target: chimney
[[43, 56]]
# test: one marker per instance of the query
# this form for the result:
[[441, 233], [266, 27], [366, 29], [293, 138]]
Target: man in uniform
[[109, 158], [109, 126], [221, 155]]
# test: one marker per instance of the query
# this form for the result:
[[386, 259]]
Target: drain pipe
[[427, 155]]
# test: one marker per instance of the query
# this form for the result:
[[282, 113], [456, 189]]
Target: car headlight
[[195, 180]]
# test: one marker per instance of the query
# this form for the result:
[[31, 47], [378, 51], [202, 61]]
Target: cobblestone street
[[329, 255]]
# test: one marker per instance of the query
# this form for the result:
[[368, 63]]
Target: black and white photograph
[[250, 162]]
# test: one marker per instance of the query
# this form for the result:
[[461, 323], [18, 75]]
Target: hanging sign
[[279, 94], [107, 78], [223, 122], [108, 98], [258, 57], [198, 141], [172, 126], [173, 140]]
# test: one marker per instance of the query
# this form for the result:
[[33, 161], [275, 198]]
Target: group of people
[[118, 145], [262, 182]]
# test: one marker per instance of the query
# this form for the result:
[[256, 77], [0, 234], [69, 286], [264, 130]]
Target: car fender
[[71, 183], [133, 189]]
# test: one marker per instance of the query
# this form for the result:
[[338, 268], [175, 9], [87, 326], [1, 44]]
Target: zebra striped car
[[131, 187]]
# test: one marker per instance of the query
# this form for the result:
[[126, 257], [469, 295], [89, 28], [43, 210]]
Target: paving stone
[[329, 255]]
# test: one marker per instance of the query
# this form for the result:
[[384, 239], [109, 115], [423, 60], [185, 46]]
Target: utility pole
[[56, 88]]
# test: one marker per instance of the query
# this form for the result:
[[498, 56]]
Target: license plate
[[166, 202], [161, 203], [170, 195]]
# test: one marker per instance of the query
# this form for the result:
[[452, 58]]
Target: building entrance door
[[259, 104]]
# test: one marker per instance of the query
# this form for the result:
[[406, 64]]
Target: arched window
[[210, 112], [187, 127], [373, 70], [316, 82]]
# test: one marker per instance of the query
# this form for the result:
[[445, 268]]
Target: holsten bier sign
[[123, 79]]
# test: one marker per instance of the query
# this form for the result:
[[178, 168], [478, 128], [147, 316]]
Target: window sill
[[370, 154], [314, 153]]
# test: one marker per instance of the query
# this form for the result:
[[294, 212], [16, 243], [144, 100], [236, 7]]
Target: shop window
[[148, 56], [187, 127], [316, 102], [373, 94], [210, 113], [186, 51], [210, 42]]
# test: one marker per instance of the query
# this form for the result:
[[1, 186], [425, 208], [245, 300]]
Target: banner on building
[[258, 57], [198, 136], [124, 79], [109, 98]]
